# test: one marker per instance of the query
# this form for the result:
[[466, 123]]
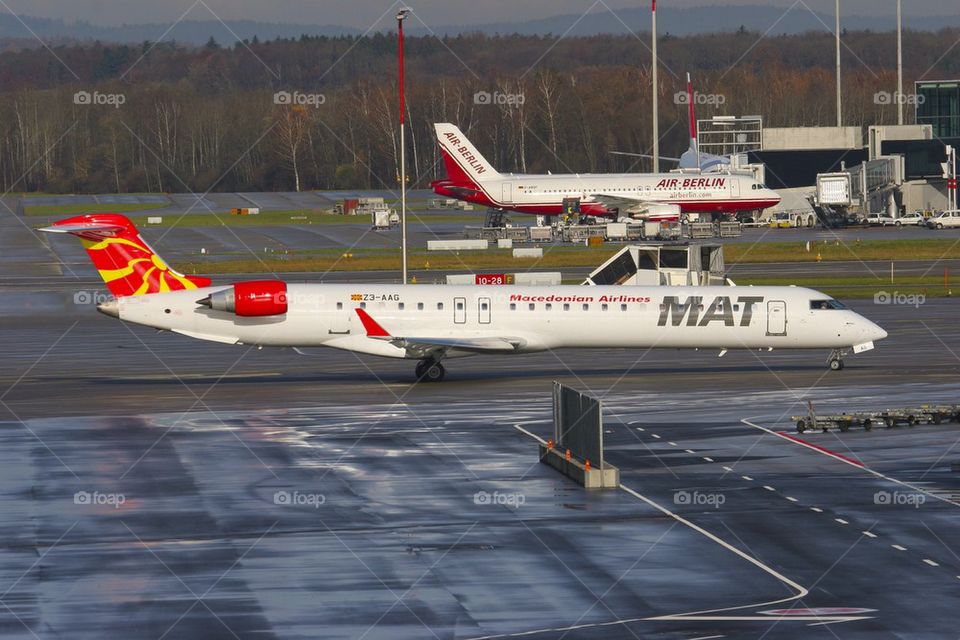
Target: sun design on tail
[[135, 265]]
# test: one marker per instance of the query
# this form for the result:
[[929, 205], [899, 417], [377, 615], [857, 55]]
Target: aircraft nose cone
[[876, 332], [109, 308]]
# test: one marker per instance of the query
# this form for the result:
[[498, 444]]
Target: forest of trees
[[163, 117]]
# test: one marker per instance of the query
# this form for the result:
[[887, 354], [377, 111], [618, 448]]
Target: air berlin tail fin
[[125, 261], [463, 162]]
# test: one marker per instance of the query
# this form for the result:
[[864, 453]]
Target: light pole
[[401, 16], [899, 64], [839, 111], [656, 124]]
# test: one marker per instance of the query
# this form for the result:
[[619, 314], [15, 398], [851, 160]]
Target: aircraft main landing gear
[[430, 370], [836, 359]]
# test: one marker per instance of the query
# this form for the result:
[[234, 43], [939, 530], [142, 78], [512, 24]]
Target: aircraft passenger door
[[734, 187], [507, 195], [776, 318], [484, 310], [338, 322], [460, 310]]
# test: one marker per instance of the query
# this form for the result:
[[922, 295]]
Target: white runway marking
[[817, 509], [841, 521], [708, 459], [931, 562], [898, 547], [655, 435], [792, 499], [672, 444], [768, 487], [690, 451], [869, 534], [855, 465], [748, 478]]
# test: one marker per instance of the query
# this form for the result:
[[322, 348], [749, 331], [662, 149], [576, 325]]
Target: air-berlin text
[[692, 183]]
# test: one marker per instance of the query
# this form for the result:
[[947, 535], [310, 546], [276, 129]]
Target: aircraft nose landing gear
[[430, 370], [836, 359]]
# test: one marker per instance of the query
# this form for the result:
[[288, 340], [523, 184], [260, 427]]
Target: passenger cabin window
[[339, 306], [363, 305], [439, 306], [513, 306], [623, 307], [603, 307], [460, 306], [548, 306], [400, 306], [586, 307], [532, 306], [419, 306], [566, 307], [826, 304]]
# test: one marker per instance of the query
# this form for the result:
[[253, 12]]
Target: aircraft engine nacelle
[[253, 298], [660, 212]]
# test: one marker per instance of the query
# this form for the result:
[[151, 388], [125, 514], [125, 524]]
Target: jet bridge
[[663, 264], [869, 187]]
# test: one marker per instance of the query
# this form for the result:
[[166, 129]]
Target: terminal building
[[891, 169]]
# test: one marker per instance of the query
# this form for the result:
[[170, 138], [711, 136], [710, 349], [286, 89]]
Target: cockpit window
[[827, 304]]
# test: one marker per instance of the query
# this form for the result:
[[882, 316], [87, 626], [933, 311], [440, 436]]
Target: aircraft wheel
[[801, 426], [836, 364], [433, 372]]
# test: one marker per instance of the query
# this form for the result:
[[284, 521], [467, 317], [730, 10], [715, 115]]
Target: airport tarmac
[[158, 486], [171, 490]]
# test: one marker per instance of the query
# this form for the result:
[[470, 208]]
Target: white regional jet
[[650, 196], [430, 323]]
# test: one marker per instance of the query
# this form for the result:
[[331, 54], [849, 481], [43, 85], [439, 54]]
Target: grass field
[[930, 286], [290, 217], [79, 209], [561, 256], [933, 248]]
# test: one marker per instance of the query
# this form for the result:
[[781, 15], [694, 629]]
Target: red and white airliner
[[648, 196]]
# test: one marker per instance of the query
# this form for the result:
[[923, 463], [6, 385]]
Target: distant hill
[[763, 19]]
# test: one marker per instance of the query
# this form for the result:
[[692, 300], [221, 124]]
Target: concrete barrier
[[536, 252], [541, 279], [456, 245]]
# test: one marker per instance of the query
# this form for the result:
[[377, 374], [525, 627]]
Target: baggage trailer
[[910, 416]]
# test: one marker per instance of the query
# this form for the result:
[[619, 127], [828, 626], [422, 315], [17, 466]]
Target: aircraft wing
[[425, 345], [626, 203]]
